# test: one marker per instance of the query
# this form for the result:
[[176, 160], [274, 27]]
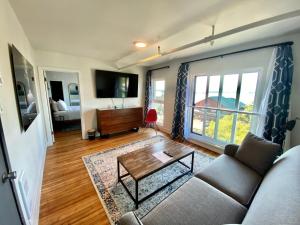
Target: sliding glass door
[[223, 107]]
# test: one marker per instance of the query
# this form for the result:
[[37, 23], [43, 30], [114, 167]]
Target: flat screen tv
[[111, 84]]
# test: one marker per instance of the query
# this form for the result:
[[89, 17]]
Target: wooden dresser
[[111, 121]]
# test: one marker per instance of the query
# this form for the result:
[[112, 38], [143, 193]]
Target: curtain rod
[[241, 51], [160, 68]]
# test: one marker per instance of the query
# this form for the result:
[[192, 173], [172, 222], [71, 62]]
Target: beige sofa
[[230, 192]]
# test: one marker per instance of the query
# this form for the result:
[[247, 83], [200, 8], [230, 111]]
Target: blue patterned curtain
[[278, 103], [180, 101], [147, 92]]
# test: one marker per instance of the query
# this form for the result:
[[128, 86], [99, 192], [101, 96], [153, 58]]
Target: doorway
[[56, 88], [63, 102], [9, 209]]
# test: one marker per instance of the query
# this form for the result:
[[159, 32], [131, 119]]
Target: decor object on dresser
[[111, 121], [23, 77], [102, 168]]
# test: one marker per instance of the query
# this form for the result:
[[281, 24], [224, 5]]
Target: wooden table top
[[142, 162]]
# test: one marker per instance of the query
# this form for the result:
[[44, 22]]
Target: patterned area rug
[[102, 168]]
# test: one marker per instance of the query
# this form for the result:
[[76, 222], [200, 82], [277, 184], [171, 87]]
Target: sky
[[230, 83]]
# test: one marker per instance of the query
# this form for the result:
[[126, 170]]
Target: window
[[224, 107], [158, 99]]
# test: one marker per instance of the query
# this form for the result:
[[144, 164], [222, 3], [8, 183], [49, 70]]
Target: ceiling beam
[[211, 38]]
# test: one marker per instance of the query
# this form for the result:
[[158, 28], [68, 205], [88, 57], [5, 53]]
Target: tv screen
[[111, 84]]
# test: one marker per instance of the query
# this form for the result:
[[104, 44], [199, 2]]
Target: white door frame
[[45, 100]]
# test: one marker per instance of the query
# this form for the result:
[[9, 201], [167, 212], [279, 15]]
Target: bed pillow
[[257, 153], [31, 108], [54, 106], [62, 106]]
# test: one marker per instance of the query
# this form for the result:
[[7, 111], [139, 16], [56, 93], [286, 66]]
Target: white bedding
[[73, 113]]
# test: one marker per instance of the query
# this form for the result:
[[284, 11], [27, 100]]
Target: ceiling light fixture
[[140, 44]]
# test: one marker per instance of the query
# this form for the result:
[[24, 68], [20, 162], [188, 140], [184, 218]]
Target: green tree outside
[[225, 126]]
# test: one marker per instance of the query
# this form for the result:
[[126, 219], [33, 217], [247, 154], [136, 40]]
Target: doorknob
[[9, 176]]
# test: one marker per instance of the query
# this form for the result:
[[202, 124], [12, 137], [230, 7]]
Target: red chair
[[151, 119]]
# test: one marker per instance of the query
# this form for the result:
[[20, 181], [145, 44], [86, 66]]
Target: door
[[9, 213], [57, 90]]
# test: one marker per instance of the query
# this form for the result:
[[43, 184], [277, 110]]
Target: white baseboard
[[36, 208], [211, 147], [163, 129]]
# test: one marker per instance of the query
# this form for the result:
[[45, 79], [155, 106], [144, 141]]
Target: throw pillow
[[257, 153], [62, 106], [54, 106]]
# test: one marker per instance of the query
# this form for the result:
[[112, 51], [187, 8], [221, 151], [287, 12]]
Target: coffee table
[[142, 163]]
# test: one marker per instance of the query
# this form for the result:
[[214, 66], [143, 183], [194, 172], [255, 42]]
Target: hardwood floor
[[68, 195]]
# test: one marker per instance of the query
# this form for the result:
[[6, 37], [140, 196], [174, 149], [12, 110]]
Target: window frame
[[153, 100], [190, 134]]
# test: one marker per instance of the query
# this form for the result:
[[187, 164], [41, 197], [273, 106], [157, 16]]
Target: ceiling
[[106, 29]]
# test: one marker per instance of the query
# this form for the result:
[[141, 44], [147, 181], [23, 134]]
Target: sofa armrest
[[129, 219], [231, 149]]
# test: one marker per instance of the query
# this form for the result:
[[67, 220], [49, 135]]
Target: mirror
[[23, 76], [74, 94]]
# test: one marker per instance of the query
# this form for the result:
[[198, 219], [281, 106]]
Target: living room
[[167, 93]]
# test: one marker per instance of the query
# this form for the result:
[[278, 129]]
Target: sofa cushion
[[129, 219], [257, 153], [277, 201], [232, 177], [196, 203]]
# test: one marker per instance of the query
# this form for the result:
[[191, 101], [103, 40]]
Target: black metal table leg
[[136, 194], [136, 198], [192, 163], [119, 178]]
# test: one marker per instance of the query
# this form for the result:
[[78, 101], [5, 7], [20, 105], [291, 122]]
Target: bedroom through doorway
[[63, 95]]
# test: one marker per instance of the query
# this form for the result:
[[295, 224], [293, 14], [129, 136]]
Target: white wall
[[26, 149], [86, 67], [167, 74], [171, 76], [66, 79]]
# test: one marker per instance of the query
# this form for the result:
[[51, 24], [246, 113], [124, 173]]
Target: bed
[[73, 113], [68, 119]]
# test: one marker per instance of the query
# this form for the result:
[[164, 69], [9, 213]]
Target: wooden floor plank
[[68, 195]]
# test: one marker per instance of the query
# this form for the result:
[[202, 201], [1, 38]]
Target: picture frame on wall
[[25, 88]]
